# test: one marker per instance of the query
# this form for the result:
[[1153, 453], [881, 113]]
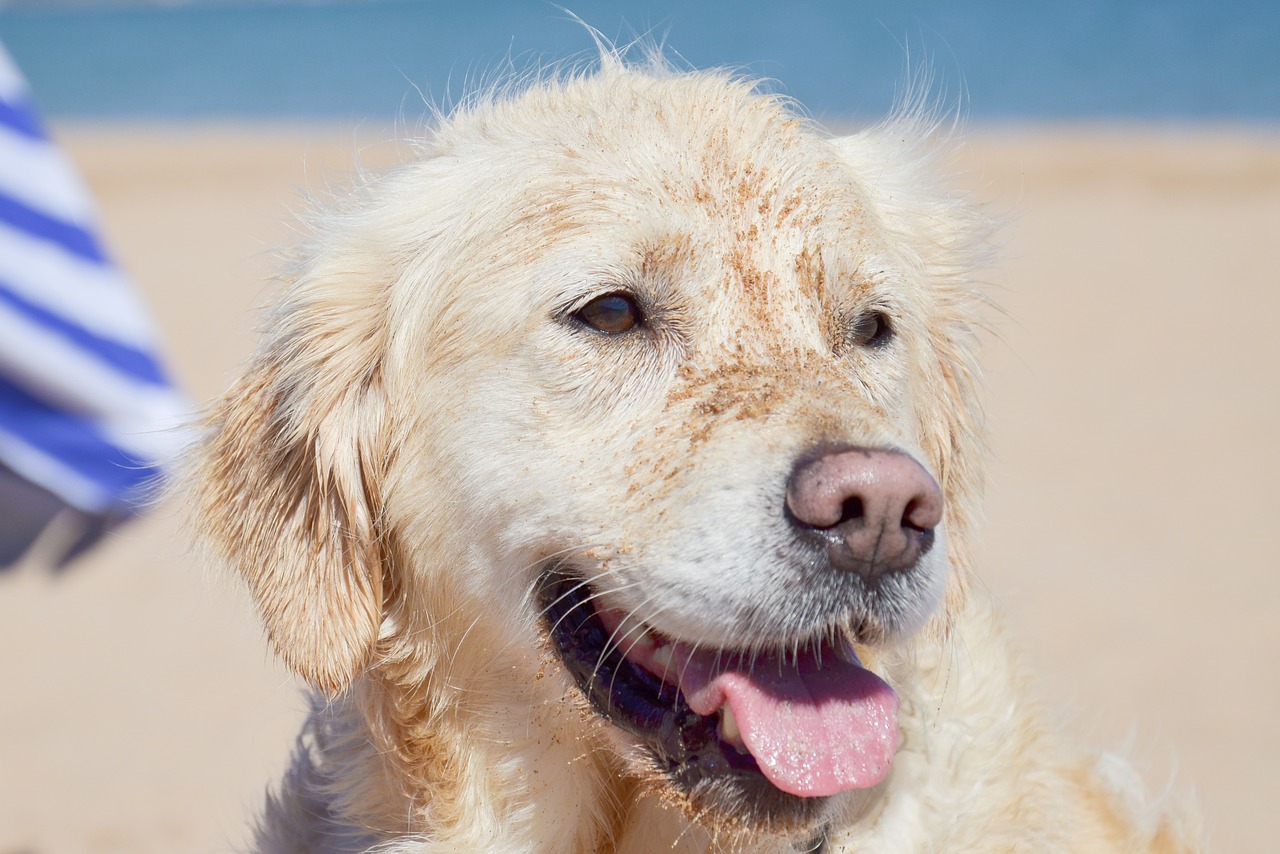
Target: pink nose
[[876, 510]]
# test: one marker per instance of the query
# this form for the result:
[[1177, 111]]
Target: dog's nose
[[876, 510]]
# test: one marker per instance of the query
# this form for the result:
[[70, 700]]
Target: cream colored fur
[[423, 429]]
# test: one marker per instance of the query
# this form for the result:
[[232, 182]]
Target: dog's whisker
[[456, 651], [620, 633], [584, 602], [581, 583], [611, 646]]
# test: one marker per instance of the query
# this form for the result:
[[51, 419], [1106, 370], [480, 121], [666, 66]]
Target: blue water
[[1177, 60]]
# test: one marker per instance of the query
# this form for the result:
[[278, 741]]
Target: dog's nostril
[[923, 512], [910, 515], [851, 509]]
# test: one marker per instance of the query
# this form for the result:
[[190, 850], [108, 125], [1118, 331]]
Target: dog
[[610, 474]]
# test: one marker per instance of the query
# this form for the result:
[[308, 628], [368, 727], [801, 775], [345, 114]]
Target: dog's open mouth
[[808, 722]]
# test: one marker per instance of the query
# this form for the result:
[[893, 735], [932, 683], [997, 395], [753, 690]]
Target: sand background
[[1131, 527]]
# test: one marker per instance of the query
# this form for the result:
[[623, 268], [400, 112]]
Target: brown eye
[[611, 313], [870, 330]]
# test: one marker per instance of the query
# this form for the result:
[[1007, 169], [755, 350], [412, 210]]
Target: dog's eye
[[612, 313], [870, 330]]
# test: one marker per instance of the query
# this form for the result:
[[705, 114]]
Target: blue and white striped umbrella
[[88, 415]]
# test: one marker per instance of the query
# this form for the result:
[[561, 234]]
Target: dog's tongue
[[813, 730]]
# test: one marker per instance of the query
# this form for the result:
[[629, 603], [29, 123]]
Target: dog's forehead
[[718, 150], [702, 172], [706, 151]]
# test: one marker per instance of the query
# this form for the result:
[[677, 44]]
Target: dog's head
[[640, 371]]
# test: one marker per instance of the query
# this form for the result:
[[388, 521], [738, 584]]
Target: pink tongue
[[813, 731]]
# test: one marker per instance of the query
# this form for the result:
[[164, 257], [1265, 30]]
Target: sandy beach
[[1133, 383]]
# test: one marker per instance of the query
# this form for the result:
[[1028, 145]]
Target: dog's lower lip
[[820, 728]]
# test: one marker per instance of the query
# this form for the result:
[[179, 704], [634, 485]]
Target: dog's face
[[644, 375]]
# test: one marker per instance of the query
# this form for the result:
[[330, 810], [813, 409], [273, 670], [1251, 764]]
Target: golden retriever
[[610, 473]]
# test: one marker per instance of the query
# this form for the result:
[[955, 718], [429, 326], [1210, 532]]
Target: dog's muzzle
[[766, 732]]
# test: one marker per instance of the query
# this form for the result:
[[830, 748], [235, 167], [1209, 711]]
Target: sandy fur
[[422, 430]]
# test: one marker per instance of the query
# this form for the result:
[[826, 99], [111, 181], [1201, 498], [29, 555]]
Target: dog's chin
[[703, 761]]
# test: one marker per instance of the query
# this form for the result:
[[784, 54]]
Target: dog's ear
[[287, 486], [945, 240]]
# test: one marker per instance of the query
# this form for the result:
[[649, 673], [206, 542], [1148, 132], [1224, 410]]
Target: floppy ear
[[288, 482], [945, 240]]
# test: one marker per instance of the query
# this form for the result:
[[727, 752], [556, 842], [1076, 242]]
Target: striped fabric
[[87, 413]]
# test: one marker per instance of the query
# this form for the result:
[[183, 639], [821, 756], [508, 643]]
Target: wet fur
[[422, 429]]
